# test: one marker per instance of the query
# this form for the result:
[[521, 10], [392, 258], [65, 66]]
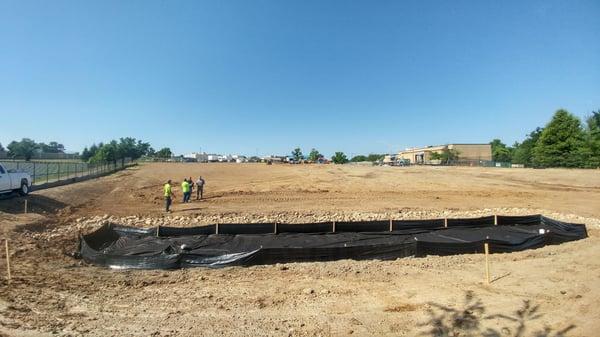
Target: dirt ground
[[552, 291]]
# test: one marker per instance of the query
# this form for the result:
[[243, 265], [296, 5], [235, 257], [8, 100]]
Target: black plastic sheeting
[[266, 243], [473, 222]]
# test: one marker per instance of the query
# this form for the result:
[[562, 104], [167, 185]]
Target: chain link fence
[[43, 172], [478, 163]]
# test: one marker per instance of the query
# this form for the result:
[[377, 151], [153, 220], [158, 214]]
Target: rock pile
[[89, 224]]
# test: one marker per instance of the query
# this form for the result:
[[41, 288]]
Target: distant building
[[466, 152], [389, 159], [239, 158], [225, 158], [195, 156], [275, 159]]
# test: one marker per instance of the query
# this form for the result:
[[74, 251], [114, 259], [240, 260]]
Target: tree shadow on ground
[[465, 321], [14, 204]]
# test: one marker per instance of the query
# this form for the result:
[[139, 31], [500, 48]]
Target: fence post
[[486, 248], [7, 261], [58, 178], [33, 178], [47, 172]]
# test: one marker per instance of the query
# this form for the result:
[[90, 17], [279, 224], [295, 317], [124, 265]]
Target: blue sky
[[253, 76]]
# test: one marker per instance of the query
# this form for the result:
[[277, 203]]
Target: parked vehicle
[[13, 181], [403, 162]]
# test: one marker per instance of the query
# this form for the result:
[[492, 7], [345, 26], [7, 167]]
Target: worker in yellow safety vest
[[168, 193], [185, 188]]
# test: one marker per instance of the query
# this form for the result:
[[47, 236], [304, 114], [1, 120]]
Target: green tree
[[339, 158], [561, 144], [297, 154], [132, 148], [593, 139], [165, 152], [500, 152], [150, 152], [359, 158], [435, 156], [111, 152], [314, 155], [523, 152], [52, 147], [107, 153], [2, 148], [449, 155], [85, 154], [22, 149], [446, 156], [375, 157], [94, 149]]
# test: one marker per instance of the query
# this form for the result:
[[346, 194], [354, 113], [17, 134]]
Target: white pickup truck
[[11, 181]]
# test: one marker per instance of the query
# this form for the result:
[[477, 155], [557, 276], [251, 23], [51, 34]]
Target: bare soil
[[551, 291]]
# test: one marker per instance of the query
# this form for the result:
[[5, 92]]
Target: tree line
[[337, 158], [127, 147], [313, 156], [564, 142], [26, 148], [110, 152]]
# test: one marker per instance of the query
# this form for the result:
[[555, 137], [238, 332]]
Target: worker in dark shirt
[[199, 188]]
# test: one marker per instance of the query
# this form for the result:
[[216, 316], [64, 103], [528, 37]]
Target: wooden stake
[[487, 262], [7, 261], [157, 230], [275, 229], [495, 219], [391, 226], [25, 206], [334, 226], [217, 228], [445, 222]]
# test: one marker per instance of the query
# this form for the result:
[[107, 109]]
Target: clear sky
[[252, 76]]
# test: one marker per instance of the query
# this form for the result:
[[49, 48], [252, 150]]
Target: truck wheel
[[24, 190]]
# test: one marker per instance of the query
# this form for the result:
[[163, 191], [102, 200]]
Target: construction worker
[[191, 181], [199, 188], [185, 188], [168, 193]]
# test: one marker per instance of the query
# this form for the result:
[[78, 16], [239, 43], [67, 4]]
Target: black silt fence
[[263, 243]]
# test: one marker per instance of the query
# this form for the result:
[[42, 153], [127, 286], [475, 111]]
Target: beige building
[[466, 152]]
